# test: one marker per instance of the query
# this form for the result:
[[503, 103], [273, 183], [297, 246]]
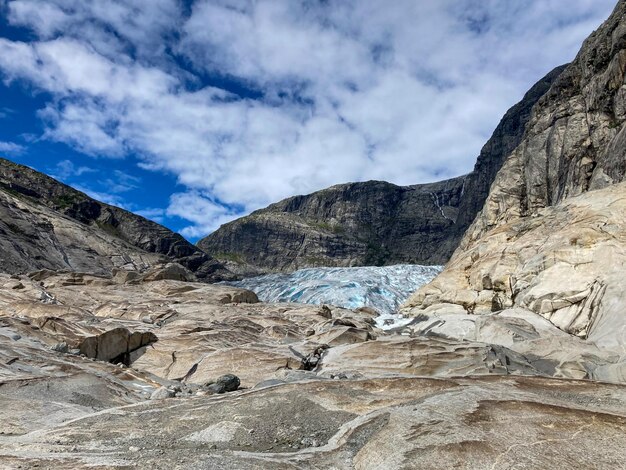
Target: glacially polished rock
[[551, 237], [489, 422]]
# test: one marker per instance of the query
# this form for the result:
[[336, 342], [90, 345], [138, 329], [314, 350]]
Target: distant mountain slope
[[372, 223], [47, 224]]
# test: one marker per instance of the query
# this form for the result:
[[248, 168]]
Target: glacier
[[383, 288]]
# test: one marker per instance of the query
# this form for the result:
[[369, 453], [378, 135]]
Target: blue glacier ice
[[384, 288]]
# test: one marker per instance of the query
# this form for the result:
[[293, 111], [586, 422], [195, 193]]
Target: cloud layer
[[248, 102], [10, 148]]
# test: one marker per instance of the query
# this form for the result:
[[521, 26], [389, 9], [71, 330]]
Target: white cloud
[[120, 182], [112, 27], [6, 112], [67, 169], [45, 18], [107, 198], [11, 148], [205, 213], [67, 66], [403, 91], [155, 214]]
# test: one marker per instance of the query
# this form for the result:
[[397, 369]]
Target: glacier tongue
[[383, 288]]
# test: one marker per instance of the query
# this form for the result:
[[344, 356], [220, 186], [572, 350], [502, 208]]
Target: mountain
[[513, 357], [371, 223], [551, 237], [45, 224]]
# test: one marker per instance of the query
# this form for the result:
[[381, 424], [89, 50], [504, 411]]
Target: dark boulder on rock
[[225, 383]]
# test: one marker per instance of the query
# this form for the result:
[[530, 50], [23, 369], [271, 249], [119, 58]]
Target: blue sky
[[194, 113]]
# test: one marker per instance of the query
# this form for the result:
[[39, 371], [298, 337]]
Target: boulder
[[225, 383], [162, 393], [170, 271]]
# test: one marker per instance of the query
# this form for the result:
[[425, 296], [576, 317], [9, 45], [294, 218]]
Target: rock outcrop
[[565, 263], [45, 224], [551, 238], [371, 223]]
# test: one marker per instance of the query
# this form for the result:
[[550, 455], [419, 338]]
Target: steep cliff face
[[372, 223], [34, 237], [44, 221], [575, 140], [551, 237], [506, 137]]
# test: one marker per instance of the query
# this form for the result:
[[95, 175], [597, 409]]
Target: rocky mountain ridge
[[371, 223], [374, 222], [551, 237], [45, 224]]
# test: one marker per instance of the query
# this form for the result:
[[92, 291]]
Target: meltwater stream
[[384, 288]]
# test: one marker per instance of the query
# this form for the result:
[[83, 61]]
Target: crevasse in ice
[[384, 288]]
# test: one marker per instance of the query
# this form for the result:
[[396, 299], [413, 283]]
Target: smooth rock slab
[[491, 422]]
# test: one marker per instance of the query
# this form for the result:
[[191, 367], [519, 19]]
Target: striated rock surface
[[34, 237], [200, 376], [174, 329], [371, 223], [566, 264], [45, 224], [365, 424]]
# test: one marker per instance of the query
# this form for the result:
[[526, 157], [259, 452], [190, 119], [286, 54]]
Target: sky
[[194, 113]]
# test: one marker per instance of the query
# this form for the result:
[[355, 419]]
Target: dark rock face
[[372, 223], [33, 207]]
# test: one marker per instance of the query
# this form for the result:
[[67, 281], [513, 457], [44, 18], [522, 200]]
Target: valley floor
[[116, 373]]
